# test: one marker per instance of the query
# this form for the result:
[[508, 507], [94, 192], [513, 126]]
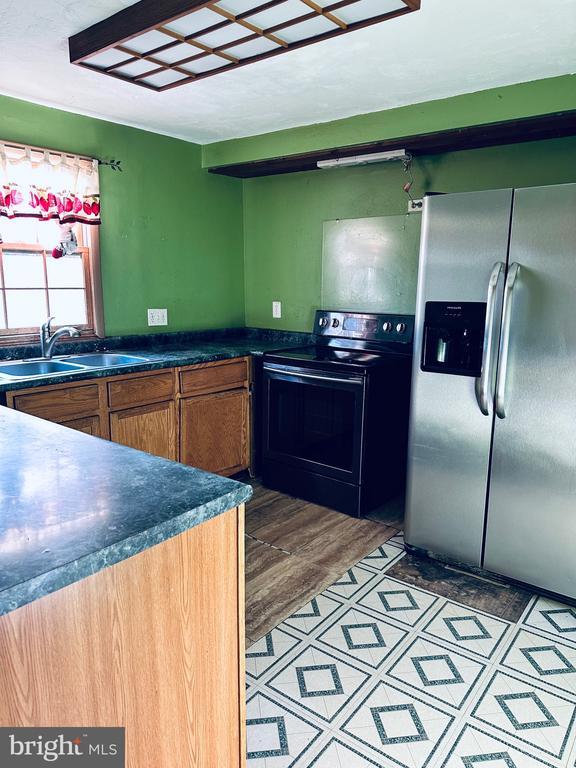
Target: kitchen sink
[[38, 368], [107, 360]]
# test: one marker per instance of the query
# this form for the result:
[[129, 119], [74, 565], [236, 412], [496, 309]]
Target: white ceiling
[[448, 47]]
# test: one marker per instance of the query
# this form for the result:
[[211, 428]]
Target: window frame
[[88, 247]]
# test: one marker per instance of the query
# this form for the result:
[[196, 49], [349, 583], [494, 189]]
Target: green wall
[[171, 234], [283, 215], [217, 251], [538, 97]]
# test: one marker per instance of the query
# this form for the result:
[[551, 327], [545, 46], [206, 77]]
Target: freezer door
[[531, 525], [464, 237]]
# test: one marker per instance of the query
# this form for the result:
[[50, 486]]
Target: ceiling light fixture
[[162, 44], [375, 157]]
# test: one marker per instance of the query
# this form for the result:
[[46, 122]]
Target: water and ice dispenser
[[453, 337]]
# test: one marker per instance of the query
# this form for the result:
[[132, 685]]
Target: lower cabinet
[[150, 428], [214, 431], [90, 425], [197, 414], [154, 643]]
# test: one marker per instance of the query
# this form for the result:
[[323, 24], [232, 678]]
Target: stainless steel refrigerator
[[492, 452]]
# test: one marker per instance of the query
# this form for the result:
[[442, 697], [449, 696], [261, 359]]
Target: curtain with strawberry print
[[48, 185]]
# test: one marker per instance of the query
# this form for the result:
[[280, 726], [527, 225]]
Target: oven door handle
[[295, 375]]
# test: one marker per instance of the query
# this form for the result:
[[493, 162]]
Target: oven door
[[314, 420]]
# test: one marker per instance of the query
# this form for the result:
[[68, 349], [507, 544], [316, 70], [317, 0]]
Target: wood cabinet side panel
[[153, 644]]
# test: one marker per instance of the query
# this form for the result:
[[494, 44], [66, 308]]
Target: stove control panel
[[364, 326]]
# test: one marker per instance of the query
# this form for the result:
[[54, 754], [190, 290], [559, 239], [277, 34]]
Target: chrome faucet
[[48, 340]]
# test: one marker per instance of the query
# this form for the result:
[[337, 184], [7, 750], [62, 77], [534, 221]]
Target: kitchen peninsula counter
[[121, 595]]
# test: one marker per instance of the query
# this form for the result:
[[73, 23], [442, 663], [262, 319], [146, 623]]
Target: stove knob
[[400, 327], [335, 323], [387, 327], [323, 322]]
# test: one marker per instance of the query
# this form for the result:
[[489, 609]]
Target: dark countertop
[[170, 351], [72, 504]]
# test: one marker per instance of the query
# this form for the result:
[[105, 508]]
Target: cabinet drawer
[[214, 377], [59, 404], [141, 389]]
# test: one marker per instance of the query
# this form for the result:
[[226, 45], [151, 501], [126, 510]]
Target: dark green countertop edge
[[193, 357], [69, 573], [161, 355]]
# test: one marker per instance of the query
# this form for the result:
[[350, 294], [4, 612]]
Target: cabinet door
[[150, 428], [90, 425], [214, 431]]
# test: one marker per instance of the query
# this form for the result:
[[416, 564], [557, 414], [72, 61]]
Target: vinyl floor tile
[[363, 657], [362, 637], [538, 718], [548, 661]]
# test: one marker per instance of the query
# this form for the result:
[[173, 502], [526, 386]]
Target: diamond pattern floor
[[377, 672]]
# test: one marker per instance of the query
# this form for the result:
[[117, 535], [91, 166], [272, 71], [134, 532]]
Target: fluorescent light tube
[[375, 157]]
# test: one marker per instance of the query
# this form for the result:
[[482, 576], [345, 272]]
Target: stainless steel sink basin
[[27, 368], [107, 360]]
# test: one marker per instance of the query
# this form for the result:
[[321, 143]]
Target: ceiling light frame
[[113, 37]]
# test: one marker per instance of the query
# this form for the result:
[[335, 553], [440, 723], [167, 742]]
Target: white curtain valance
[[44, 184]]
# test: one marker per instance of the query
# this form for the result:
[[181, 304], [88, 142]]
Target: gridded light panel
[[161, 44]]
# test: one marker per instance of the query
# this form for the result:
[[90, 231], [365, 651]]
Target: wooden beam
[[323, 12], [141, 17], [248, 25], [552, 126]]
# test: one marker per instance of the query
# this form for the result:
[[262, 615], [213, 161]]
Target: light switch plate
[[277, 309], [157, 317]]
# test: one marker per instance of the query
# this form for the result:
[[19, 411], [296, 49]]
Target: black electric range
[[335, 414]]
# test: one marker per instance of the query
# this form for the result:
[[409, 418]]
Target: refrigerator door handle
[[505, 340], [484, 381]]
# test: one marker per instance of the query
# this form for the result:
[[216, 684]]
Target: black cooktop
[[351, 341], [326, 355]]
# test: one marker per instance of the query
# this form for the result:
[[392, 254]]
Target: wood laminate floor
[[295, 549]]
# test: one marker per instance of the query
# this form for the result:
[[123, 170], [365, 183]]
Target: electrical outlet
[[415, 206], [277, 309], [157, 317]]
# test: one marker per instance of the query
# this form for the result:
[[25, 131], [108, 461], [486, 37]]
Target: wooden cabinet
[[154, 643], [57, 403], [143, 412], [79, 406], [90, 425], [214, 416], [198, 414], [214, 431], [137, 389], [150, 428], [214, 377]]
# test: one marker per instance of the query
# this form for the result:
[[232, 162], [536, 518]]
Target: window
[[35, 286], [46, 195]]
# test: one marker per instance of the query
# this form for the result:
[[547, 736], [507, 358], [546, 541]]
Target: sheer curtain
[[48, 185]]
